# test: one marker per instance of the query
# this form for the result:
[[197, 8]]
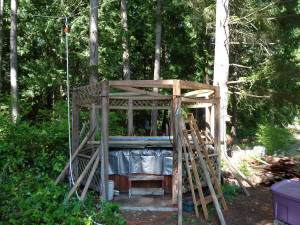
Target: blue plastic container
[[286, 201]]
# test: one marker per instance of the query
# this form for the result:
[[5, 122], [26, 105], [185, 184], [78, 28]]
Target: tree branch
[[270, 43], [250, 95], [245, 17], [241, 66], [269, 77]]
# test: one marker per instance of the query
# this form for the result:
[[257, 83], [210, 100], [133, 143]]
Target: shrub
[[30, 157], [276, 140]]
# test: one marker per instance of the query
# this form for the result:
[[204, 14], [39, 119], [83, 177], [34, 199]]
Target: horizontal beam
[[134, 107], [199, 93], [141, 97], [142, 83], [193, 85], [202, 100], [136, 90], [197, 106]]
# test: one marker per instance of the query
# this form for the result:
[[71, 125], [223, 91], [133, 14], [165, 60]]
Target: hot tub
[[286, 201]]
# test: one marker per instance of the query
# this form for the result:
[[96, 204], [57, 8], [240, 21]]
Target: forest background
[[263, 86]]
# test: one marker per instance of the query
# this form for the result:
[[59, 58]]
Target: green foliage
[[33, 199], [275, 139], [30, 157], [231, 191]]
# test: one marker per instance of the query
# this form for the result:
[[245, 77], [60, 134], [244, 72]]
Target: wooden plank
[[142, 83], [78, 181], [217, 130], [199, 93], [82, 130], [89, 180], [199, 100], [145, 177], [141, 97], [75, 131], [136, 90], [197, 106], [194, 169], [193, 85], [175, 110], [147, 191], [207, 120], [130, 128], [179, 152], [211, 169], [80, 147], [105, 139], [235, 175], [134, 107], [208, 180]]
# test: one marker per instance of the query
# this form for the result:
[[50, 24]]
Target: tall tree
[[221, 62], [126, 64], [1, 39], [157, 63], [93, 55], [93, 41], [14, 60], [125, 44]]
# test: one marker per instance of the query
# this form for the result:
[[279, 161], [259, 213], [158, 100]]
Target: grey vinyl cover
[[148, 161]]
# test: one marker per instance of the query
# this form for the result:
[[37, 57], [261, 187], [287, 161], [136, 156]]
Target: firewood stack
[[275, 169]]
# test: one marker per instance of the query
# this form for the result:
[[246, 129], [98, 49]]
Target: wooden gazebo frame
[[136, 94]]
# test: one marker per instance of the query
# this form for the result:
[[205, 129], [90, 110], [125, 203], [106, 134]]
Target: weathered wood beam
[[134, 107], [198, 105], [199, 100], [199, 93], [75, 131], [143, 83], [217, 130], [136, 90], [175, 110], [193, 85], [105, 138]]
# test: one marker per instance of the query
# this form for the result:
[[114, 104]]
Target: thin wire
[[68, 99]]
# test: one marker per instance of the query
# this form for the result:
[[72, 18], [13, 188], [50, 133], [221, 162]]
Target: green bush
[[276, 140], [27, 198], [30, 157]]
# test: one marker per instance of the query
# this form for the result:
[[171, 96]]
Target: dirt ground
[[255, 210], [242, 210]]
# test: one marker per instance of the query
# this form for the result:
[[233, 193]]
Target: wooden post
[[105, 138], [175, 110], [75, 131], [217, 131], [208, 120], [130, 118], [179, 151]]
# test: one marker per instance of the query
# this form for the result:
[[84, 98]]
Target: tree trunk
[[157, 64], [126, 64], [221, 63], [1, 40], [93, 56], [14, 60], [125, 44]]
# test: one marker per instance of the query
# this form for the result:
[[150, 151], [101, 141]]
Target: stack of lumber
[[275, 169]]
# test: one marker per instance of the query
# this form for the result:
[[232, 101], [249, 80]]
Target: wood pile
[[275, 169]]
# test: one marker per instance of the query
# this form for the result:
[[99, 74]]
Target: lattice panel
[[185, 179], [88, 94], [95, 184], [149, 103]]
